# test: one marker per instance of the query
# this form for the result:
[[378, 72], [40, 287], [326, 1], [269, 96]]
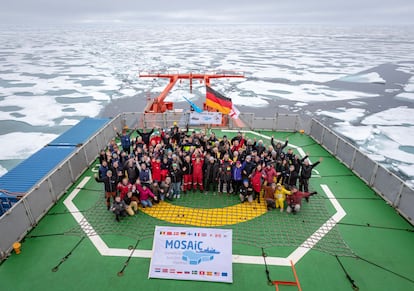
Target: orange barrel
[[16, 247]]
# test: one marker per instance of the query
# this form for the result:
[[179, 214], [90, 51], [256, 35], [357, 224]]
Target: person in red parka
[[198, 163], [187, 174], [156, 169], [256, 181], [270, 173], [155, 139]]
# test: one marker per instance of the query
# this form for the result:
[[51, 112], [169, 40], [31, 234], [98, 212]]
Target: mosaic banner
[[186, 253], [205, 118]]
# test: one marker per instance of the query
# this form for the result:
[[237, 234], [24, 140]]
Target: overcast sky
[[207, 11]]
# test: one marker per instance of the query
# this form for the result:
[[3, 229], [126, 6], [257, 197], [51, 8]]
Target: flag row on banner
[[188, 253]]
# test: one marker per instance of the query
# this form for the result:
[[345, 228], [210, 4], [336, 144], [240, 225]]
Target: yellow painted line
[[238, 213]]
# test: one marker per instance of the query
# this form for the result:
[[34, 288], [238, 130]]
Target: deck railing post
[[397, 200], [51, 190], [28, 211], [373, 176]]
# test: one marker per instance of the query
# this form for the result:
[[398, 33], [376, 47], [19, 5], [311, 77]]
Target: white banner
[[204, 118], [186, 253]]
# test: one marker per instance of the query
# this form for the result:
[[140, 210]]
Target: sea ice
[[2, 171], [393, 116], [372, 77], [345, 114], [355, 133], [19, 145], [407, 96]]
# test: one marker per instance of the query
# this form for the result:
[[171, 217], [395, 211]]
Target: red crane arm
[[157, 105]]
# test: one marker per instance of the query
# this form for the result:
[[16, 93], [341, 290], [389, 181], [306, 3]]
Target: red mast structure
[[158, 105]]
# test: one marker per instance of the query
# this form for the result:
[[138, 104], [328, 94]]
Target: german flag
[[217, 101]]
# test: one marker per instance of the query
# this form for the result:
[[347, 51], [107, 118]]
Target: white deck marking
[[295, 256]]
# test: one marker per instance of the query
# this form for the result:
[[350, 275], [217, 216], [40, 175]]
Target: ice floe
[[372, 77], [393, 116], [23, 144]]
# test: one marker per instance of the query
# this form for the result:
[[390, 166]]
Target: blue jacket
[[236, 173]]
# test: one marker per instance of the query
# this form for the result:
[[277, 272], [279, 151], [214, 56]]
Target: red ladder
[[289, 283]]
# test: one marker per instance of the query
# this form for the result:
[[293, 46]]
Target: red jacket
[[256, 180], [156, 139], [296, 198], [198, 167], [270, 174], [123, 189], [156, 170]]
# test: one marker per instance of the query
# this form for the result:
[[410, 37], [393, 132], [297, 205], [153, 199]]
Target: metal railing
[[385, 183]]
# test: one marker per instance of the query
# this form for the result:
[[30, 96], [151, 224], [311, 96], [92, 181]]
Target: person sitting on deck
[[269, 196], [119, 208], [145, 194], [294, 201], [246, 192], [131, 204], [156, 190], [166, 189], [280, 196]]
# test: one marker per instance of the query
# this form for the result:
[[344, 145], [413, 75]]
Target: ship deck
[[345, 230]]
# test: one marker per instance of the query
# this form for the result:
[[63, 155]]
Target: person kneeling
[[131, 204], [119, 208], [280, 196], [295, 199], [246, 192], [269, 196], [145, 194]]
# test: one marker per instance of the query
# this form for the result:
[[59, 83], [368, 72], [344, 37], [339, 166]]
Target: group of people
[[163, 164]]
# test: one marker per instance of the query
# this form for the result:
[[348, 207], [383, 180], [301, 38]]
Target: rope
[[7, 192], [354, 286], [66, 212], [44, 235], [121, 273], [269, 281], [376, 226], [56, 268], [387, 270], [341, 175]]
